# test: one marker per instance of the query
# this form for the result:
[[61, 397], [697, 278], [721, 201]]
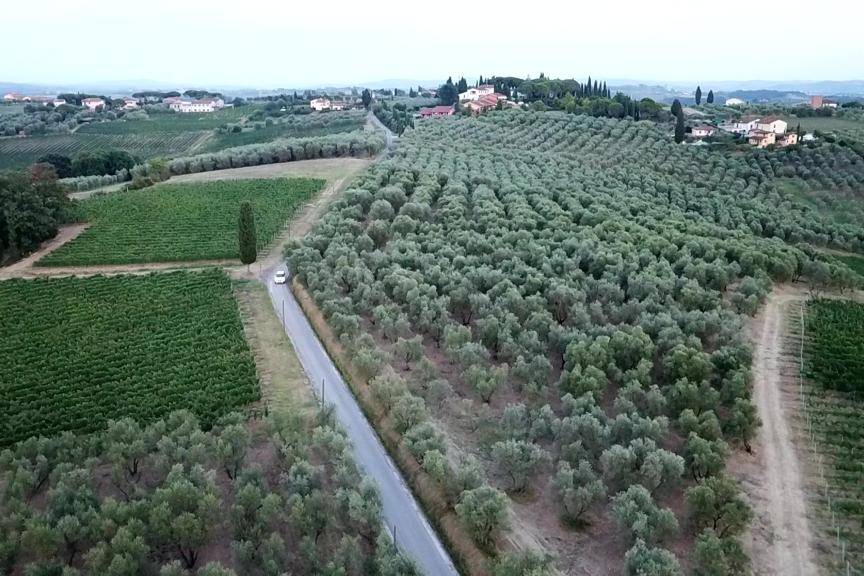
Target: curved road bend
[[414, 534]]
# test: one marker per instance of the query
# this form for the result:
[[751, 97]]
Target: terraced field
[[76, 352], [180, 222]]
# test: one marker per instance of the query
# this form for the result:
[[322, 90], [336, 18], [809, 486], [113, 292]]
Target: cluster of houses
[[193, 105], [92, 104], [817, 102], [759, 132], [321, 104], [477, 100]]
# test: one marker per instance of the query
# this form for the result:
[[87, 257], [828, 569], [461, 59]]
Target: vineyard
[[834, 397], [21, 152], [563, 296], [180, 222], [76, 352], [161, 123]]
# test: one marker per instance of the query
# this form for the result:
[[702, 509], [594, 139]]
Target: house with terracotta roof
[[436, 111], [485, 103], [13, 97], [821, 102], [129, 103], [788, 139], [772, 124], [761, 139]]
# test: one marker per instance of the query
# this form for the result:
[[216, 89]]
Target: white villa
[[130, 103], [92, 103], [474, 94], [319, 104], [186, 105], [735, 102], [772, 124]]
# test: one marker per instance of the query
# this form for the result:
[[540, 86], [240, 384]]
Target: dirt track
[[774, 477]]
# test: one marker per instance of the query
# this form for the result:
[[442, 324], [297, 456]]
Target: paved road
[[414, 535]]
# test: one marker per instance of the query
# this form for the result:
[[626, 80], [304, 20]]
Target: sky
[[287, 43]]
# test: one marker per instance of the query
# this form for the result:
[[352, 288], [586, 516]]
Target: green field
[[76, 352], [834, 367], [849, 127], [11, 109], [856, 263], [304, 126], [180, 222], [21, 152], [170, 122]]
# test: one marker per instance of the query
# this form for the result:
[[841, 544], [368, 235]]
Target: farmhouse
[[130, 103], [58, 102], [319, 104], [742, 126], [703, 131], [436, 111], [772, 124], [484, 103], [474, 94], [735, 102], [761, 139], [788, 139], [13, 97], [92, 103], [821, 102]]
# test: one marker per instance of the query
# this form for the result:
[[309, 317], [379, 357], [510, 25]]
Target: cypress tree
[[679, 126], [588, 88], [596, 90], [246, 235], [710, 99], [676, 107], [698, 95]]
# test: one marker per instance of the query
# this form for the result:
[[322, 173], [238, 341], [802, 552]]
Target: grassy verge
[[468, 557], [284, 385]]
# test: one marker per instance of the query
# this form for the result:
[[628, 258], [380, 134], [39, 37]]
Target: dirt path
[[774, 477], [64, 235]]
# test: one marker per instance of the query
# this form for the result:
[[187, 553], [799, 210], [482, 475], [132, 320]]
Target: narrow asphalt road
[[414, 535]]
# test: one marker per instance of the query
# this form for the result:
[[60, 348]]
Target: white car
[[280, 277]]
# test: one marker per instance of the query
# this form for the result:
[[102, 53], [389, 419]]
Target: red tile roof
[[437, 111]]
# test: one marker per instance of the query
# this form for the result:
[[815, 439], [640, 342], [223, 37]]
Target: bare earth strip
[[782, 541]]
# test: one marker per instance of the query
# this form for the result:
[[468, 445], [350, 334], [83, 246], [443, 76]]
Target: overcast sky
[[289, 43]]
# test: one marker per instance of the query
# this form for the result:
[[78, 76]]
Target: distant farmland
[[21, 152], [171, 135]]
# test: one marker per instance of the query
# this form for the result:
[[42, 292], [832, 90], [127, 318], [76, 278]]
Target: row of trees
[[89, 163], [349, 144], [174, 491]]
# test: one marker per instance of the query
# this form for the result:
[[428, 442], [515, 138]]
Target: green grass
[[76, 352], [22, 152], [180, 222]]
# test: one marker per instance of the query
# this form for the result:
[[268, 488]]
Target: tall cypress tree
[[679, 126], [588, 88], [698, 95], [246, 235], [676, 107], [710, 98]]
